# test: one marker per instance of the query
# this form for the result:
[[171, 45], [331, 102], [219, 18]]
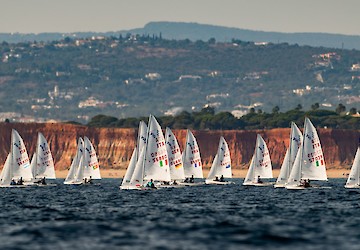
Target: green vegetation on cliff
[[208, 119]]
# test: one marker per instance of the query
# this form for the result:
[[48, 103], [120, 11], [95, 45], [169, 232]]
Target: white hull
[[265, 184], [189, 184], [279, 186], [13, 186], [73, 183], [210, 182], [295, 187], [352, 186]]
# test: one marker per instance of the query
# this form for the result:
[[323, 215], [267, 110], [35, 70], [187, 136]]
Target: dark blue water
[[207, 217]]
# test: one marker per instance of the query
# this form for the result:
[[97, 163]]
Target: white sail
[[354, 176], [260, 166], [313, 164], [79, 176], [289, 159], [191, 157], [75, 162], [294, 179], [250, 175], [91, 163], [33, 165], [20, 159], [142, 137], [222, 162], [44, 163], [296, 139], [6, 176], [263, 166], [137, 178], [130, 169], [156, 165], [174, 155], [284, 170], [212, 172]]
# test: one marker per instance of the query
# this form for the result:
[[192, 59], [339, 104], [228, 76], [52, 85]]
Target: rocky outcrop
[[114, 145]]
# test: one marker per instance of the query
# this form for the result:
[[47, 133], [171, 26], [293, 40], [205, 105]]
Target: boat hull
[[210, 182]]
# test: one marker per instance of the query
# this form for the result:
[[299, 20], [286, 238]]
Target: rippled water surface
[[205, 217]]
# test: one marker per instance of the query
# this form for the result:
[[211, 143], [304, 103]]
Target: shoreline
[[237, 173]]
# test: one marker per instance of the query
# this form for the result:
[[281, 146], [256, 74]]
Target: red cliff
[[114, 145]]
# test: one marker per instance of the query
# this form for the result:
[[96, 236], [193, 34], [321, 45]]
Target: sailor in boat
[[13, 182], [88, 181], [305, 183], [20, 181], [259, 180], [43, 182], [216, 178], [192, 179], [174, 182], [186, 180], [150, 184], [222, 178]]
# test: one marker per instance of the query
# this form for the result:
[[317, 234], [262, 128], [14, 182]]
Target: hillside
[[114, 146], [196, 31], [76, 79]]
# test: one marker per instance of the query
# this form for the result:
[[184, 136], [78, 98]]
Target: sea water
[[203, 217]]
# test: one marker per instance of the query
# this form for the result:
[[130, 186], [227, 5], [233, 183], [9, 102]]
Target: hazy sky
[[35, 16]]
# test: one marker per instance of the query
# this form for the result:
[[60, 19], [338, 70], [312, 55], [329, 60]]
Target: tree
[[340, 108], [315, 106], [353, 111], [275, 109], [298, 107]]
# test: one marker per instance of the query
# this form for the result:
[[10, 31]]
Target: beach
[[237, 173]]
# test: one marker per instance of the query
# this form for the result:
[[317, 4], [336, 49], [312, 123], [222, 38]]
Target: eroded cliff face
[[114, 145]]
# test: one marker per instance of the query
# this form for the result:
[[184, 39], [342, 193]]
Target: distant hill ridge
[[196, 31]]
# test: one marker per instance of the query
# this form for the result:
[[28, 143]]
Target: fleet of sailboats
[[157, 161]]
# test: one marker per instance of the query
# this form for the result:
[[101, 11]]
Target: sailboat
[[192, 160], [175, 158], [17, 165], [354, 177], [221, 166], [91, 163], [141, 142], [289, 159], [309, 163], [42, 163], [153, 164], [73, 177], [260, 166]]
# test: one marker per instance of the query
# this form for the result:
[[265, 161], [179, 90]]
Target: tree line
[[207, 119]]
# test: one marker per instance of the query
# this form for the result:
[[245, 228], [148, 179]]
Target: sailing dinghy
[[353, 180], [73, 177], [309, 163], [42, 163], [177, 174], [16, 171], [192, 161], [152, 166], [260, 166], [294, 146], [141, 142], [221, 166]]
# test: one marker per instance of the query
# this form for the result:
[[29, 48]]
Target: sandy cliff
[[114, 145]]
